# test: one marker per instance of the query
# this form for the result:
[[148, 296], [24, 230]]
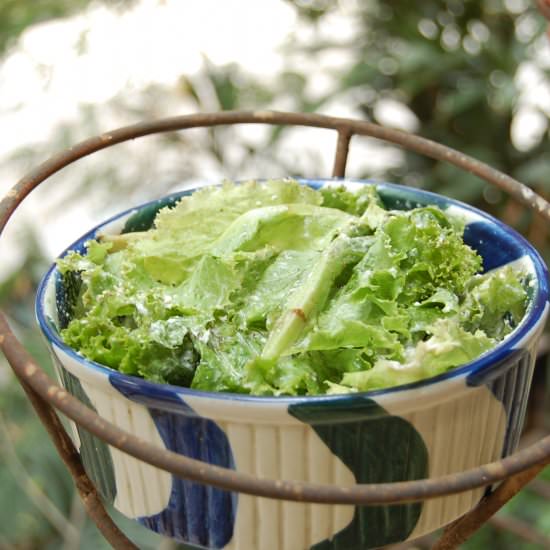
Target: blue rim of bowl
[[488, 360]]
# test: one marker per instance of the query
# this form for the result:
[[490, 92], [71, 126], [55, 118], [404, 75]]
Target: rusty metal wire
[[45, 395]]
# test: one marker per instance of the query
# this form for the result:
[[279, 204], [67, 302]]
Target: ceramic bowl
[[455, 421]]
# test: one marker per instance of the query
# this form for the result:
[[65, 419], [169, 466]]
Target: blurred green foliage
[[16, 16], [452, 63]]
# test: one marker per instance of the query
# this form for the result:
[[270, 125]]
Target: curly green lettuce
[[278, 289]]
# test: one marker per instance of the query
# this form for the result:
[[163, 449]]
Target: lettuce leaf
[[277, 289]]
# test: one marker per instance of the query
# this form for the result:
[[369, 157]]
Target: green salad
[[278, 289]]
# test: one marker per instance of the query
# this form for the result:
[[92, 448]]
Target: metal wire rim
[[33, 378]]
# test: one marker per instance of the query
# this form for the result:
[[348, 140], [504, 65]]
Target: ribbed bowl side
[[480, 427]]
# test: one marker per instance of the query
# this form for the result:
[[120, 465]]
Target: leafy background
[[473, 75]]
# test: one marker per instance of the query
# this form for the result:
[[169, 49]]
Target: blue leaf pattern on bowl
[[198, 514], [379, 448]]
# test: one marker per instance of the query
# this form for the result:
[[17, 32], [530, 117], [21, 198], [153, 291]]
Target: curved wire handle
[[44, 393]]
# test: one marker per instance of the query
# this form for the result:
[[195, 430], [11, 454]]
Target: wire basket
[[46, 396]]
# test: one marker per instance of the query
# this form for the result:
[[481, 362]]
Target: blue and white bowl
[[458, 420]]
